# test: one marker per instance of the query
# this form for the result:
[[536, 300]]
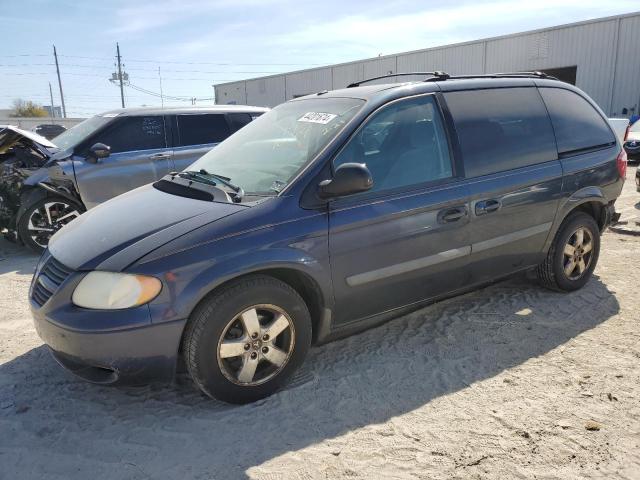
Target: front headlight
[[112, 291]]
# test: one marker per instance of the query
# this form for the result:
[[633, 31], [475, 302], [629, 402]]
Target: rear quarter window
[[501, 129], [577, 125], [238, 120], [202, 129]]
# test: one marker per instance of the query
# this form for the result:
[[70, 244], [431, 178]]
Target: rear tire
[[573, 255], [43, 216], [227, 347]]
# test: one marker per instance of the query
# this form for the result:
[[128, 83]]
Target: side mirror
[[349, 178], [98, 151]]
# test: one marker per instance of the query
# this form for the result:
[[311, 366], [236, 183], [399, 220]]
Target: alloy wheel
[[47, 219], [256, 345], [578, 253]]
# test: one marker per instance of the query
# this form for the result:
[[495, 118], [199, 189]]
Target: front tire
[[573, 255], [44, 216], [243, 343]]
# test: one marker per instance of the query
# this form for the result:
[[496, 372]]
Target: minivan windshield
[[77, 134], [264, 156]]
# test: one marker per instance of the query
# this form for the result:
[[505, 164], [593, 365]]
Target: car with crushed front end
[[327, 215], [115, 152], [21, 154]]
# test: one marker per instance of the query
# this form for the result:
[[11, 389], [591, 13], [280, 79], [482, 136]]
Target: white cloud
[[141, 17], [368, 35]]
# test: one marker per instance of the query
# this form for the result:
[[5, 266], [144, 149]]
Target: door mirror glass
[[349, 178], [98, 151]]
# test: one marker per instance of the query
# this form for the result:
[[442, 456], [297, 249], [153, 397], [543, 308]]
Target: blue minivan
[[327, 215]]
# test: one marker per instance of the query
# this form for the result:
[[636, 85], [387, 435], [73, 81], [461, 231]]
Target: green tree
[[27, 108]]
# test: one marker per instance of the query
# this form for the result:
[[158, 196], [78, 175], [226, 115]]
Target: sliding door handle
[[487, 206]]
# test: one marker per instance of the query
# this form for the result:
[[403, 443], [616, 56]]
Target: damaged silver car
[[22, 153], [46, 185]]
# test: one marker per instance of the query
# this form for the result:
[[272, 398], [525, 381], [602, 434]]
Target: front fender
[[189, 276]]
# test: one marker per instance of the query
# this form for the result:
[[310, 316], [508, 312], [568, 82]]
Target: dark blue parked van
[[327, 215]]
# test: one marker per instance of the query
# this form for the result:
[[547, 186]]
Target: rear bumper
[[611, 216]]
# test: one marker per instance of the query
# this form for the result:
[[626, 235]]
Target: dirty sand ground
[[499, 383]]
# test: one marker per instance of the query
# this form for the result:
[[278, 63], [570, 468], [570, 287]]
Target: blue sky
[[199, 43]]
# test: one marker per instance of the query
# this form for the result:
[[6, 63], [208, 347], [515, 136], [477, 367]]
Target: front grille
[[51, 276]]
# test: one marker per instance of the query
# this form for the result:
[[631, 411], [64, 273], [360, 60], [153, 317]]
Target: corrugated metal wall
[[626, 87], [606, 53]]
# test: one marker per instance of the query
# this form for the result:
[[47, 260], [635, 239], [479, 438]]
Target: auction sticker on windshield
[[317, 117]]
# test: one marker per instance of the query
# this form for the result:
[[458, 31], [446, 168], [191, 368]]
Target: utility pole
[[161, 97], [53, 112], [119, 76], [64, 110]]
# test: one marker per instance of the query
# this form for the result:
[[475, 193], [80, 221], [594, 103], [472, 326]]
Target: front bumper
[[133, 356], [633, 150], [107, 347]]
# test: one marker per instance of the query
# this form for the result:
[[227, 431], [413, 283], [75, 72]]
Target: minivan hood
[[114, 234]]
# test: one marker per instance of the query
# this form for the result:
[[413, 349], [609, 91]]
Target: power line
[[209, 79], [199, 63], [154, 69], [170, 97], [173, 62], [25, 55]]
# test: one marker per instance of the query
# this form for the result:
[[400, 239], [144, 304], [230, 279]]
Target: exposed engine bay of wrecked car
[[21, 154]]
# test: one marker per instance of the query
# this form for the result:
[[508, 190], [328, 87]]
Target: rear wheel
[[43, 217], [573, 255], [243, 343]]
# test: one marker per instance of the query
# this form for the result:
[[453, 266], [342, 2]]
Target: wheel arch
[[302, 282], [590, 200]]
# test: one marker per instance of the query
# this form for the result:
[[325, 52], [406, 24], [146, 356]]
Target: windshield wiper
[[213, 179], [224, 180]]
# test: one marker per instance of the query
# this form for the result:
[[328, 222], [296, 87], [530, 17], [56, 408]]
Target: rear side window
[[238, 120], [577, 125], [501, 129], [133, 133], [202, 129]]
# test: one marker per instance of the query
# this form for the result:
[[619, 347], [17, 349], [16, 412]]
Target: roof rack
[[435, 76], [534, 74], [439, 76]]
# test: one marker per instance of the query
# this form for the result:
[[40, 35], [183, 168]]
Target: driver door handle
[[452, 214]]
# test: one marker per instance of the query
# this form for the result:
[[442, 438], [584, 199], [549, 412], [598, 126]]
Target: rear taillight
[[621, 163]]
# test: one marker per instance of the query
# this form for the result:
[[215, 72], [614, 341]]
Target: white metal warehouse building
[[602, 57]]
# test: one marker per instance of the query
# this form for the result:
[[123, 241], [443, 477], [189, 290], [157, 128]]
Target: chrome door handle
[[487, 206], [453, 214], [160, 156]]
